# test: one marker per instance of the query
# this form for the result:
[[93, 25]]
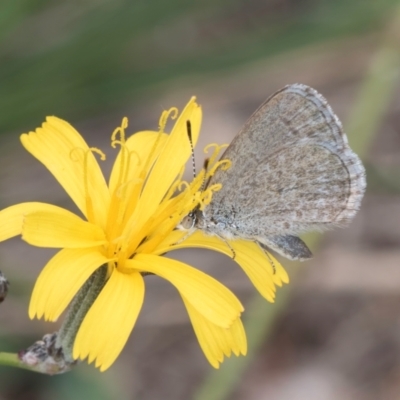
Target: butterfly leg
[[183, 238], [230, 247], [266, 250]]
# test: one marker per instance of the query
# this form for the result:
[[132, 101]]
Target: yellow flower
[[128, 225]]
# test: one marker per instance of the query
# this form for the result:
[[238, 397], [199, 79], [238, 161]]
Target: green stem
[[53, 353], [12, 360], [78, 310]]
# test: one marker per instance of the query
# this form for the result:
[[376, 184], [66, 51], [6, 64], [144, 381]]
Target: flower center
[[125, 238]]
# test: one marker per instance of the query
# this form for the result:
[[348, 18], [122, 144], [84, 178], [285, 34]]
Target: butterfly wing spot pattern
[[292, 172]]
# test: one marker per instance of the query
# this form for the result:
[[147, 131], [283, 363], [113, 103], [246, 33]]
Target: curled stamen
[[215, 154], [171, 113], [86, 182], [223, 164], [198, 199], [120, 130], [191, 198], [115, 143], [217, 149], [73, 154], [125, 151], [95, 150], [207, 195]]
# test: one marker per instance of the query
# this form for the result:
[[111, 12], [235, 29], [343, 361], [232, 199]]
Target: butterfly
[[292, 171]]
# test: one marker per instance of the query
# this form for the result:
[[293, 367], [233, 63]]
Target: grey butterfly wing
[[292, 171]]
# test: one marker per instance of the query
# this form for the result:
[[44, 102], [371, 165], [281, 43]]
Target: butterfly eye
[[189, 221]]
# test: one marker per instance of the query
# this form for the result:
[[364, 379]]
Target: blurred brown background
[[334, 332]]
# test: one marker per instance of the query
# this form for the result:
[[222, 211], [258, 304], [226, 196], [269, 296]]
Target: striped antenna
[[189, 133], [205, 166]]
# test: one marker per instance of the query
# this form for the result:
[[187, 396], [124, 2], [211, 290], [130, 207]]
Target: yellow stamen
[[125, 155], [121, 131], [223, 164], [166, 218], [217, 149], [116, 211], [135, 195], [207, 195], [95, 150], [171, 113], [74, 157]]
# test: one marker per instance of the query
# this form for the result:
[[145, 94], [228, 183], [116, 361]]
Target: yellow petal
[[67, 156], [172, 159], [60, 280], [139, 146], [60, 228], [11, 218], [208, 296], [216, 341], [109, 322], [134, 161], [254, 262], [280, 276]]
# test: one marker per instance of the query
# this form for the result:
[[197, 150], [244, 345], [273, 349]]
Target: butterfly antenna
[[205, 166], [189, 133]]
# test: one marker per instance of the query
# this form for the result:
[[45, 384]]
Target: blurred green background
[[92, 62], [81, 59]]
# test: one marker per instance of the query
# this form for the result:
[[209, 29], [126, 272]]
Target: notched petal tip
[[216, 342], [112, 318]]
